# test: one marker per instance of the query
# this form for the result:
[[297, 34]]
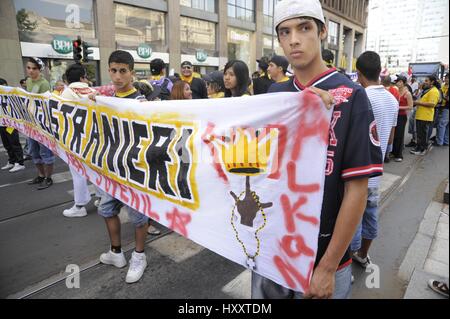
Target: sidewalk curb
[[419, 249]]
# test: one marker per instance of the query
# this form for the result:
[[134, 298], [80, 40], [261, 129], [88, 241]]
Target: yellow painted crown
[[247, 151]]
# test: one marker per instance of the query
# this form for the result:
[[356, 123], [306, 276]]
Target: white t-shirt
[[385, 109]]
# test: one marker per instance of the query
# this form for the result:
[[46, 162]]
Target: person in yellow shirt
[[443, 118], [425, 114], [278, 66]]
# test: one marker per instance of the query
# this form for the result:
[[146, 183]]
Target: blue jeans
[[40, 153], [263, 288], [442, 127], [368, 228], [110, 207]]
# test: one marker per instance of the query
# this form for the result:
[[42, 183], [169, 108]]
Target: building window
[[268, 12], [333, 34], [41, 20], [197, 34], [242, 10], [206, 5], [135, 26], [267, 46], [239, 45]]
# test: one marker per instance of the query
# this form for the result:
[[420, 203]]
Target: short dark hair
[[75, 72], [242, 73], [434, 81], [327, 56], [369, 64], [156, 66], [3, 82], [122, 57]]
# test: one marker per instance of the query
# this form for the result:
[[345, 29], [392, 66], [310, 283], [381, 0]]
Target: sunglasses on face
[[186, 67], [32, 68]]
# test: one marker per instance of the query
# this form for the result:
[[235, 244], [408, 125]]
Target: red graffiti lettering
[[178, 221], [289, 243], [311, 123], [207, 138], [148, 207], [135, 202], [110, 185], [123, 194], [293, 186], [292, 211], [98, 180], [278, 160], [76, 164], [290, 274]]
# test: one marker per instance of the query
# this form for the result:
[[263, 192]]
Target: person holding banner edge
[[11, 142], [355, 157], [78, 89]]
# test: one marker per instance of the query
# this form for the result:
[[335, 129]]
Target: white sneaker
[[138, 263], [75, 212], [111, 258], [17, 167], [152, 230], [7, 166], [363, 262]]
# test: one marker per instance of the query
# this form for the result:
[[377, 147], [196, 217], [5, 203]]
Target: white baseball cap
[[291, 9]]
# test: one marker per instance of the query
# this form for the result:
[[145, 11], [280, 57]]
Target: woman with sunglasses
[[198, 86]]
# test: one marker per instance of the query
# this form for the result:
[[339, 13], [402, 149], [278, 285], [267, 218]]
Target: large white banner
[[242, 177]]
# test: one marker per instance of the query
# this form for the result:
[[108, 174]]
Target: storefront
[[270, 47], [47, 29], [239, 45], [142, 33], [58, 57], [198, 44]]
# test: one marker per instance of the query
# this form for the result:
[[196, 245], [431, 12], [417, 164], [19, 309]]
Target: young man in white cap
[[354, 153]]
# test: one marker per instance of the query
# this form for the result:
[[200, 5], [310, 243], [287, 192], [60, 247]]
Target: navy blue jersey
[[353, 151]]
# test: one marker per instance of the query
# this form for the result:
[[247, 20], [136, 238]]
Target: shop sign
[[201, 56], [144, 51], [62, 45]]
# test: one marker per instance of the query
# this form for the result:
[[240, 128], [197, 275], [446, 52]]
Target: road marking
[[176, 247], [57, 179], [387, 180], [239, 287]]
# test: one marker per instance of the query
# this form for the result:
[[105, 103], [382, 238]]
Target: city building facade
[[206, 32], [409, 31]]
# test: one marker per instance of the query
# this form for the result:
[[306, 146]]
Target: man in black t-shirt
[[354, 154]]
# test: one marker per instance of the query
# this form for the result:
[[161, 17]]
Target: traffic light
[[87, 52], [77, 50]]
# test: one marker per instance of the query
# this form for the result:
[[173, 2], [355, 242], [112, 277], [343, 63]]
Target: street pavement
[[37, 242]]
